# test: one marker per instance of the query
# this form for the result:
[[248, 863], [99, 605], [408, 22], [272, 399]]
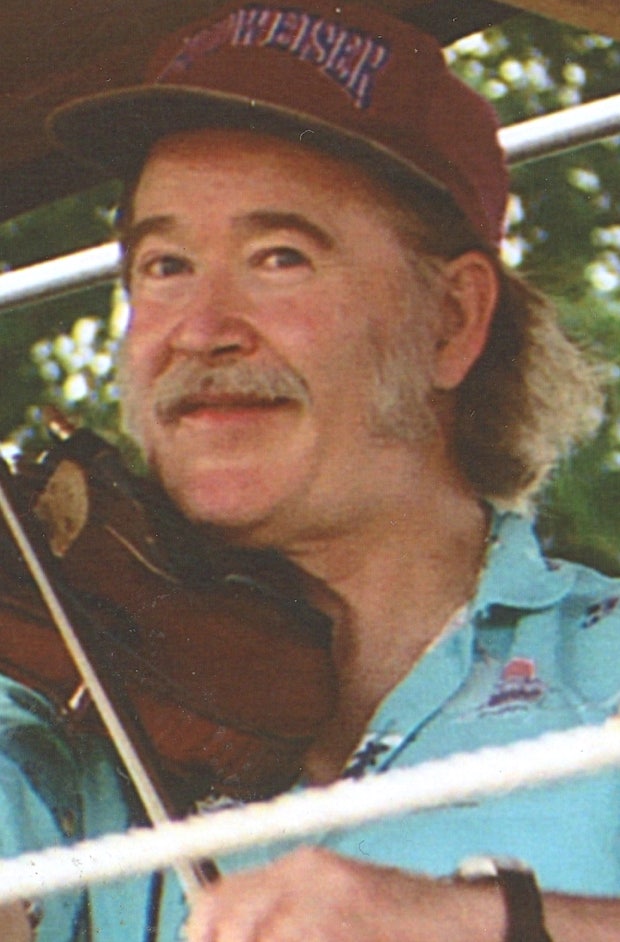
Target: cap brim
[[116, 130]]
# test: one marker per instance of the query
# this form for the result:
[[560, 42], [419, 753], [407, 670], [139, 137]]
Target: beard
[[404, 407]]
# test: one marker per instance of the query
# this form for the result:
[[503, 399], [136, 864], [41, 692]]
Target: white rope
[[460, 777]]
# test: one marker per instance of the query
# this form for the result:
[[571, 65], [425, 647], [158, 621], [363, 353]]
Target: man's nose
[[215, 322]]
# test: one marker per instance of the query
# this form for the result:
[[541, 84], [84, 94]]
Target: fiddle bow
[[63, 518]]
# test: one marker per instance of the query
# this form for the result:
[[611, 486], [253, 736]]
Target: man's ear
[[471, 291]]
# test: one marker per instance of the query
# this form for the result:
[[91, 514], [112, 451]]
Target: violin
[[216, 657]]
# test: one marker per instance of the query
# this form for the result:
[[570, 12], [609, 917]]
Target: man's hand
[[313, 895], [14, 924]]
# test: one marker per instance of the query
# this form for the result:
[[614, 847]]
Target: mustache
[[191, 383]]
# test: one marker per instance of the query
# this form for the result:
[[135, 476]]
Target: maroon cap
[[346, 78]]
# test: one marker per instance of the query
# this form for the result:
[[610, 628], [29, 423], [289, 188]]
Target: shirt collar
[[515, 572]]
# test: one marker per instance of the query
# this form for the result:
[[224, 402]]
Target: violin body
[[220, 663]]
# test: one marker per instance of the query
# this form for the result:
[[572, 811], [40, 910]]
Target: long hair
[[533, 394]]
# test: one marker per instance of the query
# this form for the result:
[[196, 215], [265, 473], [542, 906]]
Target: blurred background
[[563, 234]]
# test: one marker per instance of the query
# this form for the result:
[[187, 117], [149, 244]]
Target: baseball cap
[[346, 78]]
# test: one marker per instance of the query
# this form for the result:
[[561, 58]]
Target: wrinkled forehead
[[251, 159], [298, 158]]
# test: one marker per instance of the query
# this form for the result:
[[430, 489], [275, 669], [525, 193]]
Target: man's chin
[[220, 501]]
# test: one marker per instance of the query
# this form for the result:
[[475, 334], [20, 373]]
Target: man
[[326, 357]]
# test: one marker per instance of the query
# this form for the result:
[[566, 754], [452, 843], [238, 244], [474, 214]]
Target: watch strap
[[524, 906], [525, 918]]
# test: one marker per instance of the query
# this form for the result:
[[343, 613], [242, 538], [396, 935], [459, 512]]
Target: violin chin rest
[[62, 507]]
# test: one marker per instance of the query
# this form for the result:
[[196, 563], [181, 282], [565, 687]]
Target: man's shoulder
[[589, 618], [520, 572], [567, 605], [593, 593]]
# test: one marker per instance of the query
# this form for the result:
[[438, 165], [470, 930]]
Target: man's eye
[[281, 257], [164, 266]]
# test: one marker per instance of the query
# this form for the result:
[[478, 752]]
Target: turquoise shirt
[[537, 649]]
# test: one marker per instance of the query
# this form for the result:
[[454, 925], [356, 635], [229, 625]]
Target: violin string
[[437, 783], [153, 804]]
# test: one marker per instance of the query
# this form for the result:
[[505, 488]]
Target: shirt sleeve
[[39, 804]]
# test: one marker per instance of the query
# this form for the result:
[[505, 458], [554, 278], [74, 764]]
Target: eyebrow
[[137, 231], [130, 237], [259, 220], [270, 221]]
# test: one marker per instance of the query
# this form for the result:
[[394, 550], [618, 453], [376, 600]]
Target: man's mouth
[[220, 404]]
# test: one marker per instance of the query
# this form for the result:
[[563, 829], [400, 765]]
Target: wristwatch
[[524, 906]]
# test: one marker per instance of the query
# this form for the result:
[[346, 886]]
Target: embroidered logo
[[517, 687], [350, 57]]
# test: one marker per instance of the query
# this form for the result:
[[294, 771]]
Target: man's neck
[[400, 581]]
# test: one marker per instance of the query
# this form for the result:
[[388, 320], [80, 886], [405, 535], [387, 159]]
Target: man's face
[[268, 289]]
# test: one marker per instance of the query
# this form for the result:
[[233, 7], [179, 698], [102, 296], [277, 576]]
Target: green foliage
[[61, 227], [565, 220], [564, 234]]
